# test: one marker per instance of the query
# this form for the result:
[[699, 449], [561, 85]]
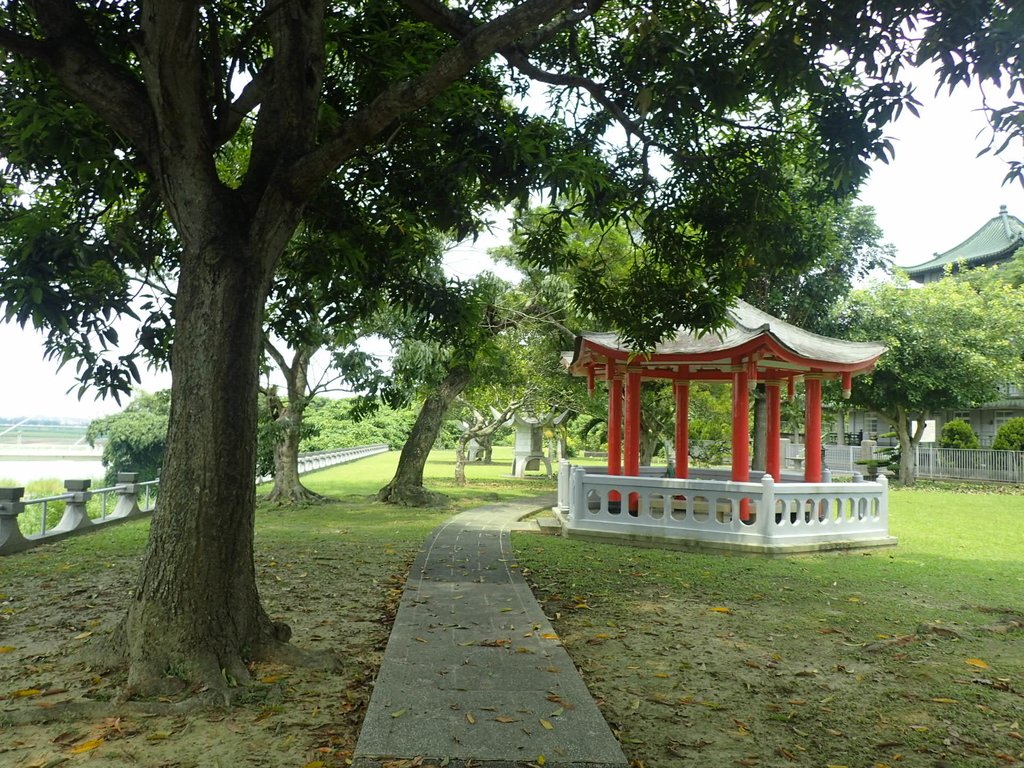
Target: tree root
[[293, 656], [297, 494], [411, 496]]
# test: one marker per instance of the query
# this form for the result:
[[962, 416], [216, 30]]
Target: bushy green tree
[[958, 434], [1010, 436], [949, 346], [338, 424], [136, 438]]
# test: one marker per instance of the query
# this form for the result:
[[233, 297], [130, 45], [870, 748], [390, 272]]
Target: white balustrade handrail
[[77, 516], [762, 515]]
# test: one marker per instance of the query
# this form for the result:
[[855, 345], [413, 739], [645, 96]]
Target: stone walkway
[[473, 674]]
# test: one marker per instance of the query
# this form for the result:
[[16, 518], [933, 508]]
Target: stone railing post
[[127, 495], [883, 504], [11, 505], [858, 477], [564, 468], [784, 443], [577, 498], [826, 475], [766, 509], [75, 515], [867, 449]]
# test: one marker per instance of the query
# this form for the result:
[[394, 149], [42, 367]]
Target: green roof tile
[[997, 240]]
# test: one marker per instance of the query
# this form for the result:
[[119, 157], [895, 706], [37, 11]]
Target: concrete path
[[473, 673]]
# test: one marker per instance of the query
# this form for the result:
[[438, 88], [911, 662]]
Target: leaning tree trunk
[[406, 487], [196, 610], [288, 488]]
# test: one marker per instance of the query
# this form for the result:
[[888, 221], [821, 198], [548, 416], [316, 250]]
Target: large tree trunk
[[288, 488], [406, 487], [196, 613]]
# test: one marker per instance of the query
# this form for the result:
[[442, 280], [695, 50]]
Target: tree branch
[[287, 120], [410, 95], [70, 51], [275, 353]]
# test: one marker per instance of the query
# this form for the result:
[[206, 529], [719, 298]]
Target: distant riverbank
[[23, 469]]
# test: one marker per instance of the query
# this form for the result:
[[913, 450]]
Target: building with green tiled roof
[[996, 242]]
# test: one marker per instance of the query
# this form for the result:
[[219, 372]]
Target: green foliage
[[958, 434], [334, 424], [948, 345], [1010, 436], [136, 437]]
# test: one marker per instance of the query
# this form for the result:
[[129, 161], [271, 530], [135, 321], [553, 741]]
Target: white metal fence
[[932, 462]]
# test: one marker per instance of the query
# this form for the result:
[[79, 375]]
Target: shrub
[[958, 434], [1010, 436]]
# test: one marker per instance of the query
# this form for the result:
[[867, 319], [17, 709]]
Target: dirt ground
[[339, 600]]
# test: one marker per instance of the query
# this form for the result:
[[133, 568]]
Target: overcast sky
[[935, 194]]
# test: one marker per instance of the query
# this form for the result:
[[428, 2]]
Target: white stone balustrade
[[133, 500], [76, 517], [763, 517]]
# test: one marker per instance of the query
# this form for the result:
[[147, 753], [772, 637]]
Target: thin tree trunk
[[759, 459], [288, 487], [406, 487], [196, 612], [908, 445], [460, 461]]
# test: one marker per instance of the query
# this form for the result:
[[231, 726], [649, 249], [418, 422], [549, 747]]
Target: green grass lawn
[[905, 656]]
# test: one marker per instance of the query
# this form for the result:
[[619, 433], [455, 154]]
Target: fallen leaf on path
[[398, 713], [977, 663], [721, 609], [506, 719], [26, 692], [6, 648], [547, 725], [470, 719], [943, 700], [85, 746]]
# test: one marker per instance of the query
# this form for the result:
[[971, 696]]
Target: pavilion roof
[[750, 336], [996, 241]]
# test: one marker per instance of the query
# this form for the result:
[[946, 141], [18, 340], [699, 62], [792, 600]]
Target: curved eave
[[764, 348]]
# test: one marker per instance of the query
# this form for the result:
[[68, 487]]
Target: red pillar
[[741, 434], [812, 429], [773, 460], [682, 391], [631, 465], [614, 422], [740, 426]]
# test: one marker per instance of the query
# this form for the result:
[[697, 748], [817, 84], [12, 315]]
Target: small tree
[[136, 437], [1010, 436], [958, 434]]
